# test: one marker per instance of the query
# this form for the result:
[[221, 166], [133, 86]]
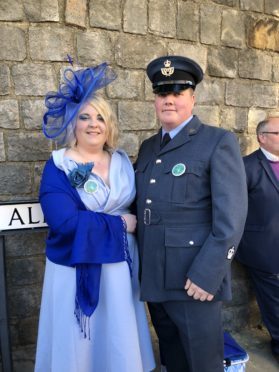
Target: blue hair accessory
[[63, 106]]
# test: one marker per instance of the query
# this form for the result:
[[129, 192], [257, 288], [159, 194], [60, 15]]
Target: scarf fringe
[[126, 249], [83, 320]]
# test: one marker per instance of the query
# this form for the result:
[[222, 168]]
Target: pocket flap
[[191, 166], [186, 236]]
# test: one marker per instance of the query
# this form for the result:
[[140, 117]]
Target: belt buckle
[[147, 216]]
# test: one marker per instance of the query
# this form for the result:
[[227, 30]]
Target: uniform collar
[[176, 130]]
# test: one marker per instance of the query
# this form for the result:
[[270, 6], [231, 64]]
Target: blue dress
[[119, 334]]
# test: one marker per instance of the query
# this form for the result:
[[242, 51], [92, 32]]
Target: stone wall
[[235, 41]]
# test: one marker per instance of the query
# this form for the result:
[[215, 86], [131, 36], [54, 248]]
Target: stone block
[[41, 10], [149, 95], [248, 144], [210, 92], [129, 142], [28, 243], [275, 68], [75, 12], [33, 79], [49, 43], [234, 119], [12, 43], [254, 117], [208, 114], [251, 94], [253, 5], [105, 14], [136, 115], [27, 147], [135, 10], [255, 65], [5, 82], [25, 271], [11, 10], [38, 170], [227, 2], [2, 148], [129, 84], [271, 7], [222, 62], [162, 17], [210, 24], [9, 116], [27, 331], [129, 51], [188, 21], [94, 47], [23, 301], [32, 113], [196, 52], [233, 29], [15, 179], [263, 34]]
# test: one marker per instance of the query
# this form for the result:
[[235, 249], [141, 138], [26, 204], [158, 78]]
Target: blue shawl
[[79, 237]]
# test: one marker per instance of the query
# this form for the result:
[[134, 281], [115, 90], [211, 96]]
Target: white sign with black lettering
[[21, 216]]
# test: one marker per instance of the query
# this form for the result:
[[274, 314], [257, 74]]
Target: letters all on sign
[[21, 216]]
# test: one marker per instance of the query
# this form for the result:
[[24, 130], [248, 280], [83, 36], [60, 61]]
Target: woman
[[91, 318]]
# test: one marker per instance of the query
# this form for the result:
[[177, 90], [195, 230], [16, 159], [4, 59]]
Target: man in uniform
[[259, 247], [191, 210]]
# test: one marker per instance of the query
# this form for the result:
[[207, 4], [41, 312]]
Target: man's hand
[[196, 292]]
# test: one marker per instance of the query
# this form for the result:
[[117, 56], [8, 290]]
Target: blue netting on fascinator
[[63, 106]]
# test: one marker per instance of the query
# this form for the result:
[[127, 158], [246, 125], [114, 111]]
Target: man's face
[[270, 141], [174, 108]]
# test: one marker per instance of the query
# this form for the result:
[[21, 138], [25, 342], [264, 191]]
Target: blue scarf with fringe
[[80, 238]]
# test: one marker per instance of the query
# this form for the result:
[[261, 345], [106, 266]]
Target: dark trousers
[[190, 335], [266, 287]]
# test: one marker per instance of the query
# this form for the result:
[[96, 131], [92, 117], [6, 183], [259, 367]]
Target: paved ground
[[256, 344]]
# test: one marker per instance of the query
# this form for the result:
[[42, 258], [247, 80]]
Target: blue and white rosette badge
[[90, 186], [178, 169]]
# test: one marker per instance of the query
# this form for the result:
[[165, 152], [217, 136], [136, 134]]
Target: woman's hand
[[131, 222]]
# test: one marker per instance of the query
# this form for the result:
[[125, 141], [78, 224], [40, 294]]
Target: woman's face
[[91, 130]]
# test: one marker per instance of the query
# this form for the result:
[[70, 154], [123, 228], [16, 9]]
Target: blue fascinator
[[63, 106]]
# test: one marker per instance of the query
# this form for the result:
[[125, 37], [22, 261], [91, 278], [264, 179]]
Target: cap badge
[[178, 169], [90, 186], [167, 70]]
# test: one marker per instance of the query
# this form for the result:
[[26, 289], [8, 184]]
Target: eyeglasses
[[276, 133]]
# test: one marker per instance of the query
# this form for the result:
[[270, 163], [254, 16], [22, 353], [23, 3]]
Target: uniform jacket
[[259, 246], [189, 225]]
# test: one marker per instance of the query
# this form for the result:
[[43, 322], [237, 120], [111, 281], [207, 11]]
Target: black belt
[[153, 217]]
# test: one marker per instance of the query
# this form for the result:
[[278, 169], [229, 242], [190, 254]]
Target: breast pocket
[[185, 180], [182, 245]]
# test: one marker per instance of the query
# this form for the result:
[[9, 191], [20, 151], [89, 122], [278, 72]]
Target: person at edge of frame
[[259, 246], [191, 209]]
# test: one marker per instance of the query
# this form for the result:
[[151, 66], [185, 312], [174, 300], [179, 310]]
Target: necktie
[[166, 139]]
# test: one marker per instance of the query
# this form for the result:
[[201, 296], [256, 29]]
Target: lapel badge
[[178, 169], [90, 186], [167, 70], [231, 252]]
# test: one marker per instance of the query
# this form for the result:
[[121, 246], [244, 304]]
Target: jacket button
[[152, 180], [148, 201], [158, 161], [191, 242]]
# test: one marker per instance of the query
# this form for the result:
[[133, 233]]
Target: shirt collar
[[269, 155], [176, 130]]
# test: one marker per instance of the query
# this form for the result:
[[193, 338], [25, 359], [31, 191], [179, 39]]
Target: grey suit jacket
[[190, 220]]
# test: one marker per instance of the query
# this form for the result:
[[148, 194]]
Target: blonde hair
[[105, 110]]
